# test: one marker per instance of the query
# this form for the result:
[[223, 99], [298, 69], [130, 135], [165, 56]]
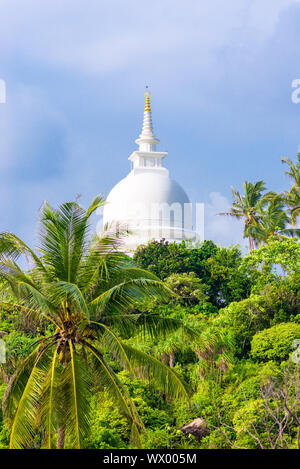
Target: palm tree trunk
[[251, 243], [61, 437], [172, 360]]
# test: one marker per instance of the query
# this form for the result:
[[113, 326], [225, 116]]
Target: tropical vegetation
[[178, 347]]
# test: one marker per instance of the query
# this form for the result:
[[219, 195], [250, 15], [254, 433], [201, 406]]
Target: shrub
[[242, 320], [275, 343]]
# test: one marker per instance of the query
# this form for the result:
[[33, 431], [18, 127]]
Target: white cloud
[[98, 37], [168, 41]]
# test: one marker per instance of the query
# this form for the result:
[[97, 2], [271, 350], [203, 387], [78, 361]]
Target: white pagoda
[[147, 201]]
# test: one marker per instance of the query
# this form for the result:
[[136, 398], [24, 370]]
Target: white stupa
[[147, 201]]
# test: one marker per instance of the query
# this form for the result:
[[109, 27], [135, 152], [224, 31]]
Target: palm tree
[[273, 221], [292, 197], [84, 288], [247, 207], [214, 353]]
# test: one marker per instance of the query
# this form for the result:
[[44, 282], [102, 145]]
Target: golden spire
[[147, 101], [147, 140]]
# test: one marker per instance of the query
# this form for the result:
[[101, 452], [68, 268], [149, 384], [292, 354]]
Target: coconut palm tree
[[273, 221], [247, 207], [292, 197], [84, 288]]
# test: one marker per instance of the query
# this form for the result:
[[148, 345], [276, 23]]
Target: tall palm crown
[[292, 197], [247, 207], [273, 221], [84, 287]]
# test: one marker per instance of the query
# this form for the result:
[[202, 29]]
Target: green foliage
[[249, 414], [84, 287], [242, 320], [248, 206], [275, 343], [282, 299], [4, 433], [217, 268], [188, 288], [109, 428], [227, 281], [292, 196], [273, 220], [18, 346], [98, 343], [164, 258], [283, 253]]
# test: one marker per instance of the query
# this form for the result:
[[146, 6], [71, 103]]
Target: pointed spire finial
[[147, 100], [147, 140]]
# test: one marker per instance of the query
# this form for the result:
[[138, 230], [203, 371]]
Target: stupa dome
[[147, 201]]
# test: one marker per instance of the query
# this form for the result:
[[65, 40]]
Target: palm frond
[[13, 247], [64, 237], [108, 379], [60, 292], [29, 389], [160, 326], [75, 392], [50, 404], [121, 296], [96, 203], [148, 367]]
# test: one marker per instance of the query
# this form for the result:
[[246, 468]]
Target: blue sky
[[220, 75]]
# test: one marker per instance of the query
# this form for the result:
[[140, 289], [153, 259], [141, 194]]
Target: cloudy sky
[[220, 75]]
